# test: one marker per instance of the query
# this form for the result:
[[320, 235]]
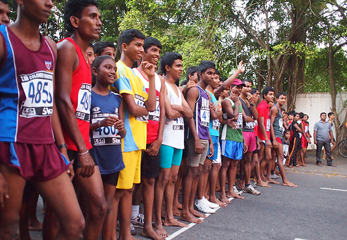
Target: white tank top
[[173, 135]]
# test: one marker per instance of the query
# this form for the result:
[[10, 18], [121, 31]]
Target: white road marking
[[182, 230], [300, 239], [334, 189]]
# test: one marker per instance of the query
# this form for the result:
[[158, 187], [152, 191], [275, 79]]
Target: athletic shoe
[[250, 189], [202, 207], [274, 176], [139, 220], [237, 191], [132, 229], [210, 204], [254, 184]]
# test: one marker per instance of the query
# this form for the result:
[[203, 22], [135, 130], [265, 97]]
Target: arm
[[315, 137], [227, 83], [67, 61], [192, 95], [273, 115], [120, 122], [246, 118], [331, 136], [149, 70], [211, 145], [262, 128], [132, 107], [253, 107], [214, 113]]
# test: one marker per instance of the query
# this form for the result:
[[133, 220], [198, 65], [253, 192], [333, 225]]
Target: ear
[[167, 68], [94, 71], [200, 74], [74, 21], [124, 47]]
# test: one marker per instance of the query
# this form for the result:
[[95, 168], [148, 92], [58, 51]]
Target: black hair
[[75, 8], [151, 41], [177, 82], [266, 90], [307, 116], [280, 94], [91, 45], [301, 115], [96, 64], [283, 109], [168, 59], [296, 113], [322, 113], [247, 80], [204, 65], [330, 113], [191, 71], [216, 72], [184, 82], [221, 79], [5, 1], [127, 36], [291, 113], [100, 46], [287, 130], [254, 90]]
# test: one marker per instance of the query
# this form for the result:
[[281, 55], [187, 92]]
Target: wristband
[[62, 146], [81, 154], [252, 104]]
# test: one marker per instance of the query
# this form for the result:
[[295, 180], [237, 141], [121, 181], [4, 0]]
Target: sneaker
[[202, 207], [254, 184], [250, 189], [274, 176], [237, 191], [210, 204], [139, 220], [132, 229]]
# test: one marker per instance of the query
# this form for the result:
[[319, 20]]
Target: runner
[[104, 48], [4, 12], [249, 108], [82, 21], [173, 141], [276, 130], [264, 134], [137, 105], [197, 142], [27, 144], [155, 127]]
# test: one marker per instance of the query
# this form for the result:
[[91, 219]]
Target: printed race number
[[139, 100], [178, 124], [84, 102], [105, 135], [154, 116]]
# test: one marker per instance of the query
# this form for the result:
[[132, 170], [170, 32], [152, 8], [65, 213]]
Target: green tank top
[[231, 134], [278, 124]]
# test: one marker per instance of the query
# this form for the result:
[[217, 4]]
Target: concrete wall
[[313, 104]]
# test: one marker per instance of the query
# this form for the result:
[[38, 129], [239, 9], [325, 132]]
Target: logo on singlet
[[48, 65]]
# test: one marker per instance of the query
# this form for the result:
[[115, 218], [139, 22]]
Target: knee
[[73, 227], [149, 182], [173, 178], [164, 179], [99, 207]]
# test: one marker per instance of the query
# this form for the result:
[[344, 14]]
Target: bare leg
[[206, 168], [181, 173], [213, 182], [232, 178], [280, 158], [111, 218], [269, 160], [223, 176]]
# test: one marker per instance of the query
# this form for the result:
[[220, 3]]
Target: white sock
[[135, 210]]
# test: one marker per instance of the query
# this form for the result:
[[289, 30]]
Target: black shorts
[[150, 165], [111, 178], [73, 155]]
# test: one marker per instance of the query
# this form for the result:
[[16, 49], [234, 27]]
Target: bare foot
[[150, 233], [175, 211], [174, 222], [160, 231], [289, 184], [241, 184], [197, 214], [190, 218], [232, 194], [178, 205], [263, 184], [224, 199], [269, 180], [35, 226], [220, 204]]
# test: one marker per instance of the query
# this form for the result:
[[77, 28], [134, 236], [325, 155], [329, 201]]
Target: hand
[[211, 150], [119, 125], [3, 191], [153, 149], [70, 170], [178, 108], [251, 98], [268, 143], [245, 148], [241, 68], [258, 144], [309, 140], [190, 84], [87, 165], [315, 142], [198, 146], [234, 97], [149, 69], [231, 123], [274, 143], [109, 121]]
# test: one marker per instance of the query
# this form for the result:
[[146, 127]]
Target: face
[[305, 118], [236, 89], [323, 117], [287, 135], [175, 70], [297, 117], [282, 100], [152, 55], [256, 95], [36, 10], [109, 51], [269, 97], [134, 50], [215, 82], [290, 117], [106, 73], [89, 25], [285, 116], [194, 77], [225, 93], [247, 88], [207, 76], [4, 13], [332, 116], [90, 53]]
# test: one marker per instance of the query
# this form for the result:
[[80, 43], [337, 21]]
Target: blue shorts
[[232, 150], [170, 156], [216, 157]]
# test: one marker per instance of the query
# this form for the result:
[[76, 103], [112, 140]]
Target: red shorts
[[279, 140], [304, 142], [40, 162], [250, 140]]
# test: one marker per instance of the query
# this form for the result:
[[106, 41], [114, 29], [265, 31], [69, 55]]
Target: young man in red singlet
[[82, 21]]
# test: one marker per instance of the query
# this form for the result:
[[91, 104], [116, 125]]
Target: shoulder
[[193, 91], [52, 44], [66, 49]]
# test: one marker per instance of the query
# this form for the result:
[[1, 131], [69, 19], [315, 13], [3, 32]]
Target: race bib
[[215, 124], [239, 121], [249, 125], [38, 89], [154, 116], [178, 124], [268, 125], [205, 113], [84, 102], [306, 129], [105, 135], [139, 100], [280, 122]]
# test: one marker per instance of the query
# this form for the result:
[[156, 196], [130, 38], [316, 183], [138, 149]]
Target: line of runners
[[131, 126]]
